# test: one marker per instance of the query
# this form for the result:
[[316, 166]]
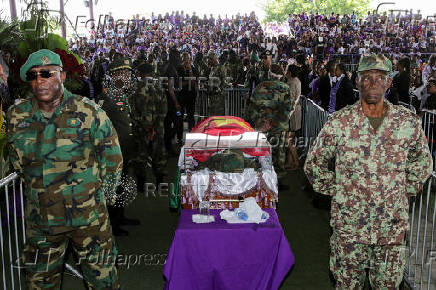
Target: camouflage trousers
[[94, 245], [349, 261], [159, 158], [152, 154], [279, 147]]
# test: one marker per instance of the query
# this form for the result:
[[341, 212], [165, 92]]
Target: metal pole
[[63, 27], [13, 9], [383, 3]]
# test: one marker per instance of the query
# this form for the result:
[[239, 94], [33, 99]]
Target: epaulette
[[19, 102], [90, 102]]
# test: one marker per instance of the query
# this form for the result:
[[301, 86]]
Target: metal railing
[[12, 219], [313, 119], [420, 236], [13, 233], [420, 252], [235, 103]]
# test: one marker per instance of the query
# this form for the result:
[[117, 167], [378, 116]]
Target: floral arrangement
[[74, 68]]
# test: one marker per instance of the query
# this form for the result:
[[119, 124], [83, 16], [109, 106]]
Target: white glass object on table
[[204, 207]]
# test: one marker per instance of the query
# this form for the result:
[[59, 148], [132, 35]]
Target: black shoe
[[129, 222], [119, 232]]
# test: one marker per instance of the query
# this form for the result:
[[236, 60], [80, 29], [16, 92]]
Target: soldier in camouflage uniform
[[217, 85], [382, 158], [269, 111], [66, 149], [201, 66], [149, 108], [252, 76]]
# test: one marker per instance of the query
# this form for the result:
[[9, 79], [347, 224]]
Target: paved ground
[[305, 226]]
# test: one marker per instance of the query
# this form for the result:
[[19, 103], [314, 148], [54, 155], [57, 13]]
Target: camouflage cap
[[375, 61], [120, 63], [41, 57]]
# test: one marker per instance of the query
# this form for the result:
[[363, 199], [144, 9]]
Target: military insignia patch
[[73, 122], [45, 60]]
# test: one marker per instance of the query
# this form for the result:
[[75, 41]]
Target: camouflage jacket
[[202, 69], [220, 73], [251, 76], [149, 107], [64, 161], [271, 103], [375, 172]]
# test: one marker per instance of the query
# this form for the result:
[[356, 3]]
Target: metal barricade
[[313, 119], [236, 101], [429, 126], [13, 233], [422, 213], [201, 104], [419, 248]]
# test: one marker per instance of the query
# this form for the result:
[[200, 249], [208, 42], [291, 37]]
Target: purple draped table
[[227, 256]]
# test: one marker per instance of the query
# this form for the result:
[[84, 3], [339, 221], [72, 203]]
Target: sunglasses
[[46, 74]]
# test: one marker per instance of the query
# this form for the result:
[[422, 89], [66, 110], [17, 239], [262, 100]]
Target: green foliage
[[10, 35], [278, 10]]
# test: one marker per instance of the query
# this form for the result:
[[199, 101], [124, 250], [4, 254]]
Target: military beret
[[120, 63], [375, 61], [41, 57]]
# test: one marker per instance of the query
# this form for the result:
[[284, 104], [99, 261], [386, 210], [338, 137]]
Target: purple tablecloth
[[227, 256]]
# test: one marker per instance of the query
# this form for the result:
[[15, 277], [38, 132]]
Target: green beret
[[41, 57], [375, 61]]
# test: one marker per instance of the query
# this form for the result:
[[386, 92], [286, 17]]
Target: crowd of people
[[313, 42], [143, 77]]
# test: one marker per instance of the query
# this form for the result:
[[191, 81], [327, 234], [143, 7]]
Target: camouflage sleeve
[[419, 162], [13, 155], [107, 148], [247, 82], [161, 110], [316, 165]]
